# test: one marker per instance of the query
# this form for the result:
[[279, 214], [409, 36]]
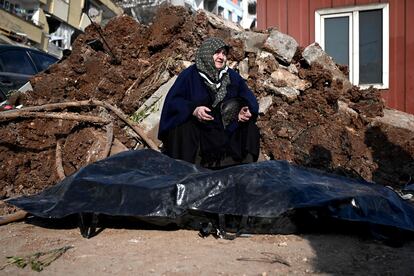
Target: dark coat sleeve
[[184, 96]]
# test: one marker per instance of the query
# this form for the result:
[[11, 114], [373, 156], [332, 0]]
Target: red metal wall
[[297, 18]]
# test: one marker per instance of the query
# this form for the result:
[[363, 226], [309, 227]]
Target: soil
[[132, 251], [124, 69], [134, 60]]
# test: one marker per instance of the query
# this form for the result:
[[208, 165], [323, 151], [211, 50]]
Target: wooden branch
[[124, 118], [33, 112], [109, 139], [63, 116], [59, 162], [114, 109], [132, 86], [16, 216], [52, 106]]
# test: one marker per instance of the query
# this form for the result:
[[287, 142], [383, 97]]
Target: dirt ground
[[308, 131], [131, 251]]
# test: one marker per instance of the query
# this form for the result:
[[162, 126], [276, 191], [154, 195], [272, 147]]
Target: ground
[[308, 131], [130, 251]]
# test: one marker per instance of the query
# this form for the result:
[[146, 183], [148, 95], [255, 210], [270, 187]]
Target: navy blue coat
[[190, 91]]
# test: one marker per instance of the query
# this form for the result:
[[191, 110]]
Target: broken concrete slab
[[289, 93], [397, 118], [232, 64], [315, 54], [221, 23], [148, 115], [281, 45], [291, 80], [264, 104], [117, 147], [266, 62], [26, 87], [293, 69], [244, 68], [76, 78], [253, 41], [344, 109]]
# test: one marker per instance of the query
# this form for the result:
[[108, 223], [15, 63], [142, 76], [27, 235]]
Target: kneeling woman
[[209, 114]]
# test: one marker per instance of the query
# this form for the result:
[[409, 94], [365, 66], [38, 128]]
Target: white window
[[357, 37]]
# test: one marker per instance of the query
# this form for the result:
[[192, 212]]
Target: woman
[[209, 113]]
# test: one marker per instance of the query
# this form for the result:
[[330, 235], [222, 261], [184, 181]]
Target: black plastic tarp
[[148, 184]]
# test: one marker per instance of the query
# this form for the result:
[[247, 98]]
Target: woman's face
[[220, 58]]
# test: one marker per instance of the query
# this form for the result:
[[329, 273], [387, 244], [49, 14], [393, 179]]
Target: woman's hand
[[201, 112], [244, 114]]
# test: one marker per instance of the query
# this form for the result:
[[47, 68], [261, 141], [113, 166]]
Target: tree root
[[59, 162], [16, 216], [37, 112], [62, 116], [118, 112], [109, 140]]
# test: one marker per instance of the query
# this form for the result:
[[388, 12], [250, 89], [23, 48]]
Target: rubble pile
[[310, 114]]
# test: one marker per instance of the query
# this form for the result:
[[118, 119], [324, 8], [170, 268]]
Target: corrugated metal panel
[[313, 6], [281, 19], [342, 3], [396, 95], [409, 68], [272, 13], [298, 21], [261, 8], [365, 2]]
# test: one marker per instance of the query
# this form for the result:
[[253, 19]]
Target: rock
[[186, 63], [343, 108], [266, 62], [26, 87], [117, 147], [291, 80], [281, 45], [150, 111], [232, 64], [236, 52], [290, 93], [253, 42], [397, 119], [292, 68], [221, 23], [314, 54], [98, 145], [264, 104], [283, 133], [244, 68]]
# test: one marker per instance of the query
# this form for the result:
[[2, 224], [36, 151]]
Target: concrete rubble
[[310, 114]]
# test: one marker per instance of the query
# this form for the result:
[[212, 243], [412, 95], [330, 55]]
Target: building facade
[[237, 11], [50, 25], [372, 37]]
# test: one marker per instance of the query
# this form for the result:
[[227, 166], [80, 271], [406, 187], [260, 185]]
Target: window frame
[[353, 11]]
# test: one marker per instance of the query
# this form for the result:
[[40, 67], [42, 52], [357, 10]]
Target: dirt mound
[[325, 126]]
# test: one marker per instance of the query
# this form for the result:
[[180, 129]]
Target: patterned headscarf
[[216, 80]]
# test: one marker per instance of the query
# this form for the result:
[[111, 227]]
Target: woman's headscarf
[[216, 80]]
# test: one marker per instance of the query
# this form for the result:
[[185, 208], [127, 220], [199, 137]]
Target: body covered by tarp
[[151, 186]]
